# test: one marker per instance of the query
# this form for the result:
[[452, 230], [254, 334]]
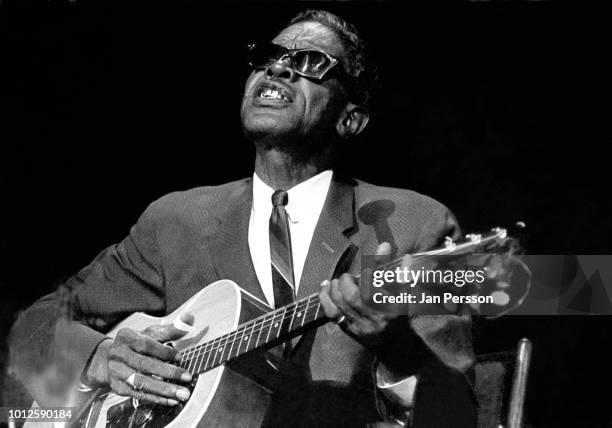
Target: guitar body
[[220, 397]]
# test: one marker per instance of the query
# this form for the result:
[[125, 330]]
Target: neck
[[282, 170]]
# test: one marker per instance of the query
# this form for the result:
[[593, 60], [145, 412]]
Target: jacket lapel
[[330, 252], [330, 240], [230, 246]]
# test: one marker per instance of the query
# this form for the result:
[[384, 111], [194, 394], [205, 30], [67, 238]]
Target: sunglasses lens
[[263, 54], [311, 63]]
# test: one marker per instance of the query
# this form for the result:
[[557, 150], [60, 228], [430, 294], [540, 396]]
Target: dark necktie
[[280, 251]]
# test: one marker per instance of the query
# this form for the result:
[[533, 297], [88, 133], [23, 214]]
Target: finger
[[144, 344], [141, 382], [166, 333], [383, 253], [122, 370], [148, 384], [341, 300], [149, 346], [146, 364], [352, 296], [124, 389], [331, 310]]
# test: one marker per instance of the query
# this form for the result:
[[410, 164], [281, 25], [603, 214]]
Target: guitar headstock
[[495, 240], [495, 256]]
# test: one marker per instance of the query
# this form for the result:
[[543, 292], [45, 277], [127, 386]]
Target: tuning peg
[[448, 243], [503, 233], [474, 237]]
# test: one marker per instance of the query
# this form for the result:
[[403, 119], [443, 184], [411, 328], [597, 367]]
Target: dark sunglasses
[[309, 62]]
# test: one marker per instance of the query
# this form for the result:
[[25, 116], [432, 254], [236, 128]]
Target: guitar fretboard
[[257, 333]]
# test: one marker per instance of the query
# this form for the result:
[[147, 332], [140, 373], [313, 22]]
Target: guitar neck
[[277, 326]]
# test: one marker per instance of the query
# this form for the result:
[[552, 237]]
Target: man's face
[[309, 109]]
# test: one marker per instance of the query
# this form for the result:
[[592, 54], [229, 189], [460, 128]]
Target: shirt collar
[[305, 198]]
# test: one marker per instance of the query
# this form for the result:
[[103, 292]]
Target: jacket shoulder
[[403, 199], [199, 201], [411, 220]]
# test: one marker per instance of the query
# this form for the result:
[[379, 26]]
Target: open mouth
[[268, 91], [271, 94]]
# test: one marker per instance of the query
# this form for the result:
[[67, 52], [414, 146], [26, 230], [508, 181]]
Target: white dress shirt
[[305, 204]]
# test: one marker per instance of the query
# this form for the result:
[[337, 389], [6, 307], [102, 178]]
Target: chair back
[[501, 386]]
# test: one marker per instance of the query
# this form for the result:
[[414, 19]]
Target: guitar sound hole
[[125, 415]]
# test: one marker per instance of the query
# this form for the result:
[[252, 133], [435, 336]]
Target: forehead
[[310, 35]]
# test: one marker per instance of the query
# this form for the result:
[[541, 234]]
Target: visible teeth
[[271, 94]]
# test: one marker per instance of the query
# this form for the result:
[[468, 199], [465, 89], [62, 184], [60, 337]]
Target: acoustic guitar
[[219, 334]]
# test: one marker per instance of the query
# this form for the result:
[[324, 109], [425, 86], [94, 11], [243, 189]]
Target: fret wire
[[187, 353], [206, 351], [241, 341], [243, 337], [306, 311], [280, 327], [269, 330], [292, 318], [189, 366], [208, 359], [212, 351], [248, 345], [259, 335], [234, 341], [203, 354], [198, 361], [219, 349], [297, 310], [225, 348]]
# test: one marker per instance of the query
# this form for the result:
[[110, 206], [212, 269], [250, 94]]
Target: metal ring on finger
[[340, 320]]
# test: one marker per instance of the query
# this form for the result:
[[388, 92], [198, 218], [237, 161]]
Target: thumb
[[383, 253], [170, 332]]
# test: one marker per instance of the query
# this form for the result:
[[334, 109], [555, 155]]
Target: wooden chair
[[501, 385]]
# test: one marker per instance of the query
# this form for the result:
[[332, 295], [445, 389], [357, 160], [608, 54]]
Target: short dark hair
[[360, 68]]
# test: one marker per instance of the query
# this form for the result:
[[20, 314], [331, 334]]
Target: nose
[[281, 69]]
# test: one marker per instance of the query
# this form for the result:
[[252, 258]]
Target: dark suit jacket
[[186, 240]]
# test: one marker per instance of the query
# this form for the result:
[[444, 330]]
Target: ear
[[352, 121]]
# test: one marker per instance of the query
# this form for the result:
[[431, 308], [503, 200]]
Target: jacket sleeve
[[441, 354], [52, 341]]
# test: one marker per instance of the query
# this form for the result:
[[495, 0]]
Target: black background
[[499, 110]]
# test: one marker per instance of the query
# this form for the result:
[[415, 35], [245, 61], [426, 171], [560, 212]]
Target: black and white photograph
[[305, 214]]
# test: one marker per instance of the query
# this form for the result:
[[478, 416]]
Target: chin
[[267, 127]]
